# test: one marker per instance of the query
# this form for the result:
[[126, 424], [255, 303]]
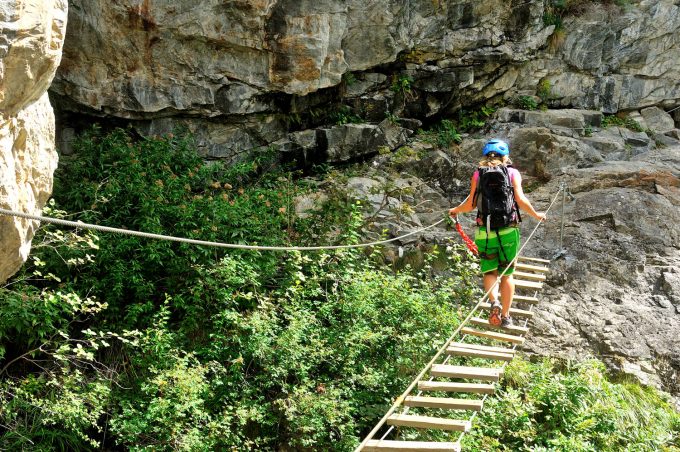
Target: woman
[[498, 234]]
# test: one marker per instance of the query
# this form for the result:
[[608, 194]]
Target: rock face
[[217, 58], [31, 38], [616, 60], [230, 66], [613, 292]]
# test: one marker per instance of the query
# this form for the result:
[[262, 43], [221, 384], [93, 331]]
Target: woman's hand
[[453, 212], [540, 216]]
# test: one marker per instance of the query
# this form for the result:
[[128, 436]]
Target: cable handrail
[[96, 227], [398, 401]]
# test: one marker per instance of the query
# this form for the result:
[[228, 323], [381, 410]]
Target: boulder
[[657, 119], [30, 50], [350, 141]]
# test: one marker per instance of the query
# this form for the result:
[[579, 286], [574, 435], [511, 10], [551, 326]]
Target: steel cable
[[79, 224]]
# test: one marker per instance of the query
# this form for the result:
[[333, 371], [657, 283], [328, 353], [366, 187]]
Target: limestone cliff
[[31, 38], [242, 74]]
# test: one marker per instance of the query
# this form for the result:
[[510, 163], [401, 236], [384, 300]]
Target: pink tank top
[[512, 172]]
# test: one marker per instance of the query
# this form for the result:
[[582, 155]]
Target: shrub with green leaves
[[552, 405], [525, 102], [210, 349], [443, 134], [617, 121]]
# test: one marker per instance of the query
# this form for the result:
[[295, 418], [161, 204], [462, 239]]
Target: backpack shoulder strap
[[514, 198], [480, 172]]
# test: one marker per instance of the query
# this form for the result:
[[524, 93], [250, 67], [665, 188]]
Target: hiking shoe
[[495, 314], [506, 322]]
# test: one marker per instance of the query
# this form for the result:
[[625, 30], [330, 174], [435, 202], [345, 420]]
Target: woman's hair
[[493, 159]]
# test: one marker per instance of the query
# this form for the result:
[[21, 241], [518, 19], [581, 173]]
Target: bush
[[627, 122], [525, 102], [565, 406], [230, 349], [443, 134]]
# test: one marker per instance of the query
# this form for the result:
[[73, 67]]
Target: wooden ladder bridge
[[478, 342]]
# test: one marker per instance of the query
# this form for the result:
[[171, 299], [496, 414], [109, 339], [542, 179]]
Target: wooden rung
[[529, 276], [525, 299], [408, 420], [509, 329], [513, 311], [444, 402], [531, 268], [533, 259], [493, 335], [524, 284], [479, 354], [476, 373], [450, 386], [486, 348], [409, 446]]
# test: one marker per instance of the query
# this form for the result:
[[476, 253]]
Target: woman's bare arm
[[522, 201], [469, 204]]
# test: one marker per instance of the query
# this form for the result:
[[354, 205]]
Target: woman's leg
[[507, 293], [495, 317], [489, 281]]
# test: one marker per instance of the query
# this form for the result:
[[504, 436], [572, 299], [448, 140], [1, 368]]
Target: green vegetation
[[114, 341], [443, 134], [552, 17], [401, 84], [447, 131], [544, 90], [349, 78], [469, 121], [573, 407], [343, 115], [525, 102], [627, 122]]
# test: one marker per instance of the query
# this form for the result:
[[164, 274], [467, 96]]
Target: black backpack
[[496, 205]]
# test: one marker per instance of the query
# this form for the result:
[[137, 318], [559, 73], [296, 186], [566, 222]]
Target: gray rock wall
[[613, 61], [228, 67]]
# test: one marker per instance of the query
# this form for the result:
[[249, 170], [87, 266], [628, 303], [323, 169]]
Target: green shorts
[[492, 257]]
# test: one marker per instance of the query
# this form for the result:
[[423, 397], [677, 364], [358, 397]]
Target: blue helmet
[[500, 147]]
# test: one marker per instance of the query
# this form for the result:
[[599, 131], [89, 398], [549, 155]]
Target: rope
[[398, 401], [79, 224]]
